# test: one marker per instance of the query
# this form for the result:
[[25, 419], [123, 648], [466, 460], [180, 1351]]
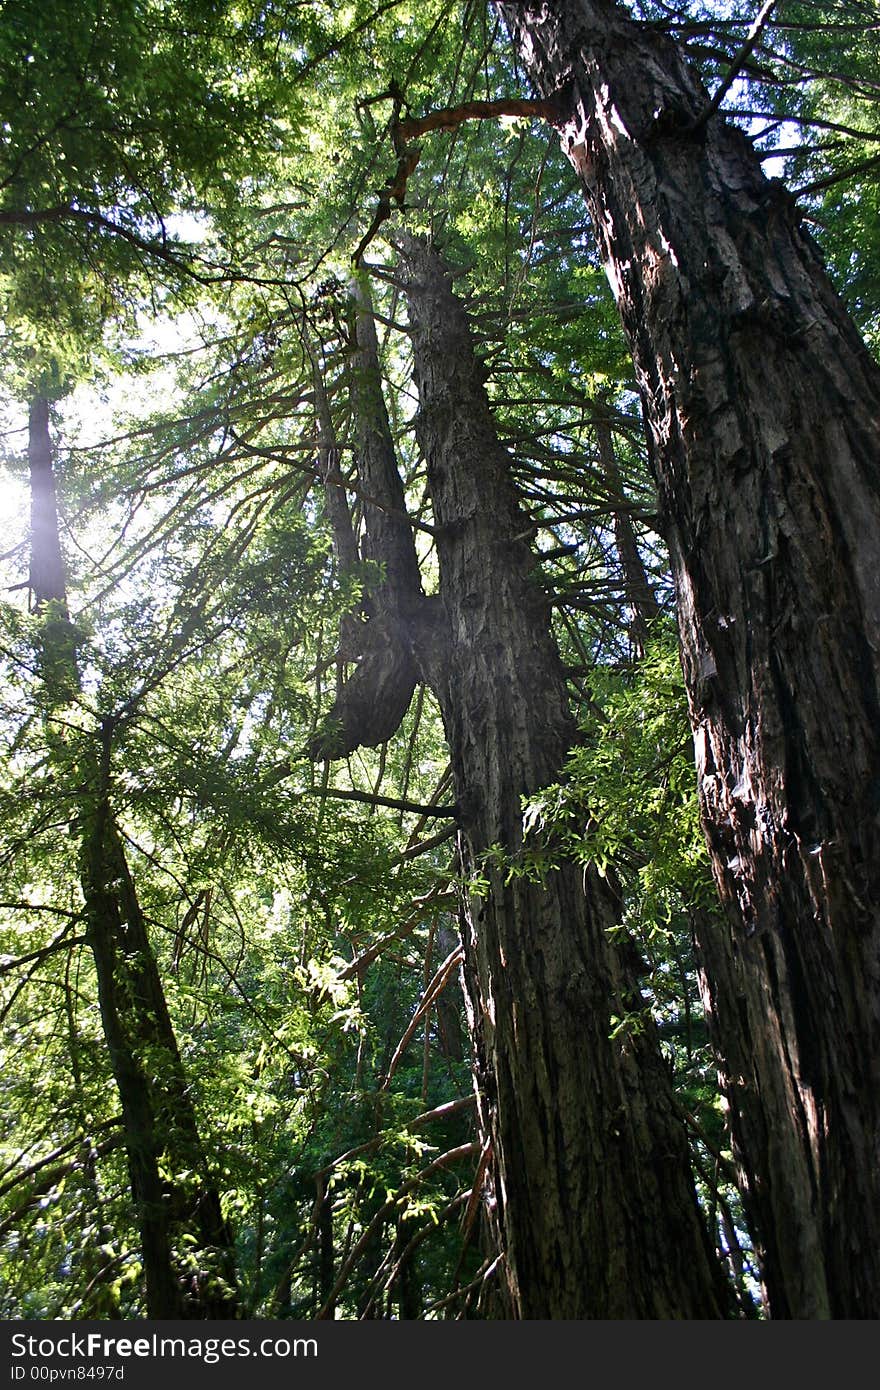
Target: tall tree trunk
[[638, 594], [593, 1182], [326, 1251], [186, 1246], [762, 407], [47, 578]]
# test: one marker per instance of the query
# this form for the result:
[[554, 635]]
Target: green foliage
[[183, 187], [113, 122]]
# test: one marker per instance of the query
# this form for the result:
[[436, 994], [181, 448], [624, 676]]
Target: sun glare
[[13, 513]]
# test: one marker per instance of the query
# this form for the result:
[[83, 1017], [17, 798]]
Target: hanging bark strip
[[592, 1178], [762, 409], [186, 1246]]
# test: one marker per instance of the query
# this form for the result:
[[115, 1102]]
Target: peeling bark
[[762, 408]]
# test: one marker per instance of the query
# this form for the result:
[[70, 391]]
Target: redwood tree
[[592, 1192], [762, 410], [187, 1247]]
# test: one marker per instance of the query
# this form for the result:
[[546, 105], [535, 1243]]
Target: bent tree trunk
[[186, 1246], [762, 408], [377, 695], [592, 1178]]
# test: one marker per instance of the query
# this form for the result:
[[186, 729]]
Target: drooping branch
[[434, 988], [443, 1161], [158, 250], [394, 803]]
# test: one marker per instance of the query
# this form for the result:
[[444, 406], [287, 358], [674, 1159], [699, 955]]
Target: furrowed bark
[[186, 1246], [762, 408], [594, 1195]]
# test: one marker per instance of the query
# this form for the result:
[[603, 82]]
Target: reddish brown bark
[[594, 1196], [762, 408]]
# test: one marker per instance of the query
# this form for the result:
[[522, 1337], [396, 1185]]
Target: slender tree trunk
[[592, 1176], [638, 594], [326, 1252], [762, 407], [449, 1001], [378, 693], [47, 577], [174, 1199], [185, 1278]]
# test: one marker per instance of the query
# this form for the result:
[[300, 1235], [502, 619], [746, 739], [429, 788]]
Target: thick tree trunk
[[592, 1176], [187, 1248], [762, 406]]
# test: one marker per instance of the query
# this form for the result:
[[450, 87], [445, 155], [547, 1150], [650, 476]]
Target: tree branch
[[395, 804], [863, 168], [450, 117], [451, 1156], [740, 59]]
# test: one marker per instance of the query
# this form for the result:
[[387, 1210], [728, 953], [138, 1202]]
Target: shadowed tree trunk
[[638, 594], [593, 1182], [186, 1246], [594, 1199], [762, 409], [378, 693]]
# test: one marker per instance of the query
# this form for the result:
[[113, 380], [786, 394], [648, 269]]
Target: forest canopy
[[427, 430]]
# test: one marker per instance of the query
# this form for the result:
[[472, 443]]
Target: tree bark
[[174, 1198], [592, 1176], [762, 409], [377, 695], [173, 1195]]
